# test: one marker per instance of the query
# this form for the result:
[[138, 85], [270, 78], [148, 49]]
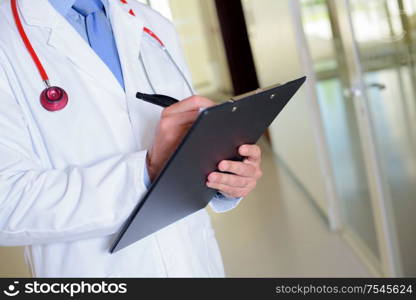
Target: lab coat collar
[[63, 6], [39, 14], [127, 31]]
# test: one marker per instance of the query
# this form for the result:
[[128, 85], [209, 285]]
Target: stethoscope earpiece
[[54, 98]]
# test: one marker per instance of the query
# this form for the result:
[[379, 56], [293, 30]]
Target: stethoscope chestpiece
[[54, 98]]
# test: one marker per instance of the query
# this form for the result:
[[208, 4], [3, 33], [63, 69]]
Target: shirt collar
[[64, 6]]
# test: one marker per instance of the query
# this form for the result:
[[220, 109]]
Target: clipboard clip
[[255, 92]]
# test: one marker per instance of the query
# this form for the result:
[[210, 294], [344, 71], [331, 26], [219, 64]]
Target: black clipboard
[[180, 189]]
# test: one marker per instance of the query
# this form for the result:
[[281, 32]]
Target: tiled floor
[[12, 263]]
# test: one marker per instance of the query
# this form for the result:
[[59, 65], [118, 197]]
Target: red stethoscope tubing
[[153, 35], [32, 51], [27, 42], [54, 98]]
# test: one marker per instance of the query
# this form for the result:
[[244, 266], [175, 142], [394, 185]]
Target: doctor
[[71, 174]]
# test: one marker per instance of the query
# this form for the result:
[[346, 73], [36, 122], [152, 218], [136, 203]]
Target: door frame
[[332, 199], [379, 186]]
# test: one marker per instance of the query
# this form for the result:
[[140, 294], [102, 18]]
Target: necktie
[[100, 35]]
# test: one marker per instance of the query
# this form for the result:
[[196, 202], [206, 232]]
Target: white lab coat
[[69, 179]]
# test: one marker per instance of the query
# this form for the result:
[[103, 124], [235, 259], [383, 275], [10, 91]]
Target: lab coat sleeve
[[39, 205], [146, 177]]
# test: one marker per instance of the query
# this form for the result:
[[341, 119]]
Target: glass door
[[330, 73], [361, 59], [384, 33]]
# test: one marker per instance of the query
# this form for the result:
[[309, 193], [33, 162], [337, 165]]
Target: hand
[[173, 125], [244, 175]]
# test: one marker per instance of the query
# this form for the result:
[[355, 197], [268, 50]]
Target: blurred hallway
[[302, 245], [344, 148]]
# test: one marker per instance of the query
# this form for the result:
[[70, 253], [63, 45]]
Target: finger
[[228, 179], [252, 152], [193, 103], [238, 168], [180, 119], [228, 191]]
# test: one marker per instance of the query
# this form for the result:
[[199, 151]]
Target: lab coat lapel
[[64, 38], [128, 31]]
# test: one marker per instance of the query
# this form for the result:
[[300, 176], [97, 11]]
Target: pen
[[161, 100]]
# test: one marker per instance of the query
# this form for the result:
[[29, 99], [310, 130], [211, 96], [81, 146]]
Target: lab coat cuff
[[141, 179], [146, 177], [222, 204]]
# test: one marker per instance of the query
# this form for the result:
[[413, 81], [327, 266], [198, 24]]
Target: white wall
[[277, 60]]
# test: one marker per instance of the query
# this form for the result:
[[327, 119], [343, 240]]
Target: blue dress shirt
[[64, 7]]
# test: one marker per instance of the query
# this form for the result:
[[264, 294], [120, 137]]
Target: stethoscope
[[54, 98]]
